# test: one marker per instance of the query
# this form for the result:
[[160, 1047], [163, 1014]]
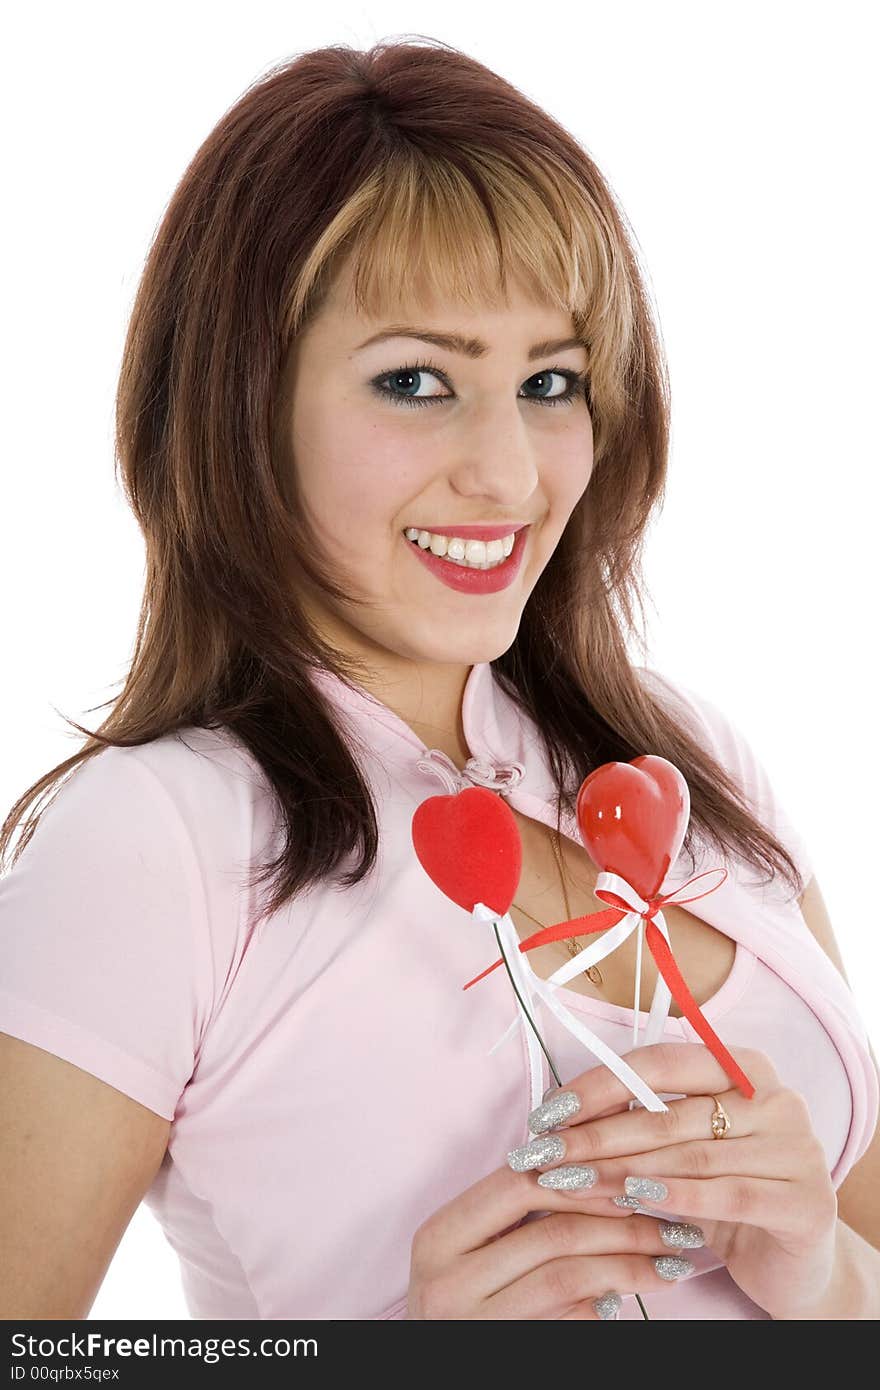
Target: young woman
[[393, 418]]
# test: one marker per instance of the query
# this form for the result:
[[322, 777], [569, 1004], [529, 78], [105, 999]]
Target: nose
[[496, 460]]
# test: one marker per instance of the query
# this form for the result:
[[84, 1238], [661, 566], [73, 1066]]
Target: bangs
[[426, 230]]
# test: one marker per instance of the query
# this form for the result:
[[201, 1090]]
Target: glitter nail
[[632, 1202], [547, 1149], [553, 1111], [649, 1188], [571, 1175], [681, 1234], [608, 1306], [673, 1266]]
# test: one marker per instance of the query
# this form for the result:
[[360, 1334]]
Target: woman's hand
[[473, 1259], [762, 1195]]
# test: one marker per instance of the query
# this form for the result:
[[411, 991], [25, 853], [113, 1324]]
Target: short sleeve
[[103, 940], [730, 747]]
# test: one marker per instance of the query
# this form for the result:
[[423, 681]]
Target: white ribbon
[[524, 979], [531, 985]]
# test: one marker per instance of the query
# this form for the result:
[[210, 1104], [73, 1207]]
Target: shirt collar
[[494, 728]]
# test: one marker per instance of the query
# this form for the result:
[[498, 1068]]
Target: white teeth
[[472, 554]]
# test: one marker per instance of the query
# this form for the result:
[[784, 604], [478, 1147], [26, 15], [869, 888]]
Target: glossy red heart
[[633, 818], [469, 845]]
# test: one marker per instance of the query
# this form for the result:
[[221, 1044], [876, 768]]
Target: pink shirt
[[328, 1079]]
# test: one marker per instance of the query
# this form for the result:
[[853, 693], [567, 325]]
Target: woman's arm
[[76, 1158], [858, 1197], [854, 1292]]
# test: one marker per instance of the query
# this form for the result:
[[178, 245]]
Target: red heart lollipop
[[469, 845], [633, 818]]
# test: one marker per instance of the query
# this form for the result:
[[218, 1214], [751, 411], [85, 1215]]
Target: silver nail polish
[[632, 1202], [571, 1175], [673, 1266], [609, 1305], [552, 1112], [651, 1189], [681, 1234], [548, 1149]]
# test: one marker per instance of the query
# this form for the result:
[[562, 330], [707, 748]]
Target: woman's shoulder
[[723, 735], [193, 797], [214, 758], [679, 698], [704, 717], [207, 777], [124, 917]]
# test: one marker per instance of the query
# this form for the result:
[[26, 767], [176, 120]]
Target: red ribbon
[[599, 921]]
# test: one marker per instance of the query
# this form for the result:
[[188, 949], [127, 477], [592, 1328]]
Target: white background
[[741, 143]]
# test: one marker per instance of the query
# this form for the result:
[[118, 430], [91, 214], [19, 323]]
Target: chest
[[704, 954]]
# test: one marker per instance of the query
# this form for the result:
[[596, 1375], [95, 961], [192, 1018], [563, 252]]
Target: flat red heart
[[633, 818], [469, 845]]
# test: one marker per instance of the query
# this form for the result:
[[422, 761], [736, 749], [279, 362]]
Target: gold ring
[[720, 1120]]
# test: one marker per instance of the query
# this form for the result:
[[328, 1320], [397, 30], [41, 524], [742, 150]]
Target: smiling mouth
[[466, 553]]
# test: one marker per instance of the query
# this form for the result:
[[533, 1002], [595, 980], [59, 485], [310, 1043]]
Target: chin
[[486, 643]]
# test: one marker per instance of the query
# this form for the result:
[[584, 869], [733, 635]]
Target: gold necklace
[[574, 946]]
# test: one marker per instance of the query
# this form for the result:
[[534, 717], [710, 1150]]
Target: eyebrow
[[468, 347]]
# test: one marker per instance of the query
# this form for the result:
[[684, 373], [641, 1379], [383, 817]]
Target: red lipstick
[[469, 580]]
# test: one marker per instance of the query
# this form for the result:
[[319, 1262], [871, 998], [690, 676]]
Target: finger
[[604, 1308], [760, 1156], [494, 1266], [590, 1206], [640, 1131], [489, 1208], [678, 1069], [774, 1204], [552, 1290], [613, 1109], [595, 1206], [501, 1200], [493, 1204], [646, 1180]]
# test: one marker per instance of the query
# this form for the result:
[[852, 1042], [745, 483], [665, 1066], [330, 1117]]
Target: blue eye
[[576, 389]]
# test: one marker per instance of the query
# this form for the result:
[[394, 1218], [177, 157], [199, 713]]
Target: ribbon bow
[[634, 913]]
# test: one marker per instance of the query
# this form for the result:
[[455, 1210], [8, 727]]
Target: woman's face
[[481, 447]]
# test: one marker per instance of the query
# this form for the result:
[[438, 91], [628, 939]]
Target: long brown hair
[[419, 169]]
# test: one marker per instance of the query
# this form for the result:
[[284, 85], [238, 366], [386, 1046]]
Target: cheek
[[381, 471], [360, 478], [334, 467], [567, 472]]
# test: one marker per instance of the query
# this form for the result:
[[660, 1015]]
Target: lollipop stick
[[556, 1076], [524, 1009], [638, 995]]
